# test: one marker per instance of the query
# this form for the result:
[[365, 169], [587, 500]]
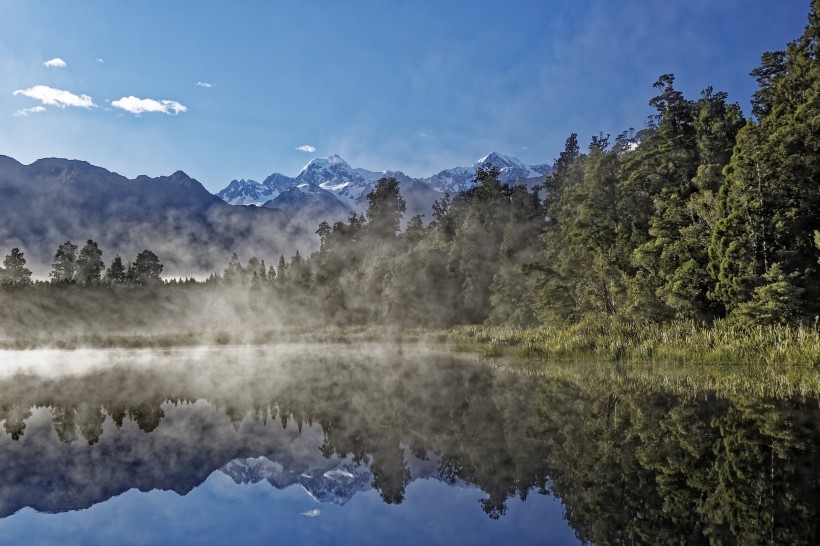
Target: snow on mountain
[[452, 180], [251, 192], [334, 483], [241, 192], [511, 168], [371, 176], [334, 480], [349, 185], [334, 174]]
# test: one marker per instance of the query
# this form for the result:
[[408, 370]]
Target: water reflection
[[635, 465]]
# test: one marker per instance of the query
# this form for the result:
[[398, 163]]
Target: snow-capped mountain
[[512, 170], [335, 480], [242, 192], [335, 175], [350, 185], [334, 483], [251, 192]]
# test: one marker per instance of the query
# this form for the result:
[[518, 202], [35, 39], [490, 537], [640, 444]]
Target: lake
[[374, 444]]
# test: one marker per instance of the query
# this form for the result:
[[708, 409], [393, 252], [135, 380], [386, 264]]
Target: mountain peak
[[325, 162], [499, 160]]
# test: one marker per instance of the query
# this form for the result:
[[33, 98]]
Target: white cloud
[[137, 106], [204, 84], [56, 62], [312, 513], [100, 61], [56, 97], [27, 111], [307, 148]]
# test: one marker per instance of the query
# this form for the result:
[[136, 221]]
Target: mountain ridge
[[192, 231], [336, 175]]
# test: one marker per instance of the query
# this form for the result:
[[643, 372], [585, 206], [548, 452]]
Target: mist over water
[[326, 429]]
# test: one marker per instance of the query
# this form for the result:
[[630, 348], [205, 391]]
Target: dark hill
[[192, 231]]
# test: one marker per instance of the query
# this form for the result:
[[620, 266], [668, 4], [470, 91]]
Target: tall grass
[[681, 342]]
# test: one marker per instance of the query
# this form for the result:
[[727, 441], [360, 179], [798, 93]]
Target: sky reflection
[[222, 512]]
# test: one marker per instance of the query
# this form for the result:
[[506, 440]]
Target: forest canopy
[[702, 214]]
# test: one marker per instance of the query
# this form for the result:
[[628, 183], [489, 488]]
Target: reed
[[681, 342]]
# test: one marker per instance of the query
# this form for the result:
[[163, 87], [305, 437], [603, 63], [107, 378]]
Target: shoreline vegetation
[[684, 358], [680, 343], [691, 244]]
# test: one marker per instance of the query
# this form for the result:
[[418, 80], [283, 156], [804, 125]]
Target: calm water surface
[[373, 444]]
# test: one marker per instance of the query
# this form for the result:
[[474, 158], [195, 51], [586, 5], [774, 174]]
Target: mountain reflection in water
[[629, 465]]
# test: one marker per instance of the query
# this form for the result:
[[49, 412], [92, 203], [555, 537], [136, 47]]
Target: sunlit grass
[[677, 342], [683, 357], [680, 357]]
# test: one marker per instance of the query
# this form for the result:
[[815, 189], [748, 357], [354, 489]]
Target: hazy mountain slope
[[192, 231], [309, 205]]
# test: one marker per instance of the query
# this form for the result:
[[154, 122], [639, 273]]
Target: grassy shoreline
[[680, 343], [682, 357]]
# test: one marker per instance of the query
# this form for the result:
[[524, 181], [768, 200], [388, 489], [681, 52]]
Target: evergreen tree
[[282, 272], [115, 274], [555, 299], [14, 269], [443, 222], [477, 242], [511, 290], [64, 265], [771, 202], [89, 263], [776, 301], [661, 171], [414, 230], [385, 209], [146, 269], [233, 273]]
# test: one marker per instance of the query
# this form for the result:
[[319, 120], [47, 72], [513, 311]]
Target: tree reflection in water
[[632, 464]]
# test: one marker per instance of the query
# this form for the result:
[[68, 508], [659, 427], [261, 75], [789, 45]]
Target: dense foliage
[[700, 215]]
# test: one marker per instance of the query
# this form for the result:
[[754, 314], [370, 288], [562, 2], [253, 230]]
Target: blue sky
[[413, 85]]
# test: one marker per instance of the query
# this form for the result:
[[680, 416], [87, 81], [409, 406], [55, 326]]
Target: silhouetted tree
[[64, 265], [385, 209], [14, 270], [146, 268], [116, 274], [89, 263]]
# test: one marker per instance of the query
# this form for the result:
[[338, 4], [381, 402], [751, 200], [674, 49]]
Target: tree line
[[701, 215], [85, 267]]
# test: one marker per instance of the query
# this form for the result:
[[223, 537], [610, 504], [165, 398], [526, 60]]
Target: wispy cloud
[[204, 84], [56, 62], [312, 513], [100, 61], [307, 148], [27, 111], [138, 106], [56, 97]]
